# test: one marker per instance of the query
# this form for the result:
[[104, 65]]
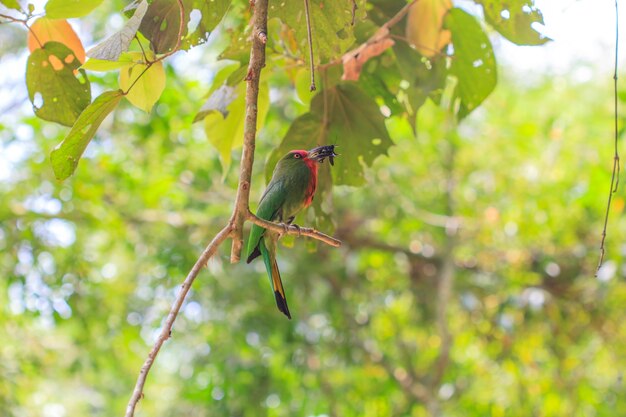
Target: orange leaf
[[44, 30], [354, 60], [424, 26]]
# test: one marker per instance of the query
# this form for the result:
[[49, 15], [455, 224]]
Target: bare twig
[[171, 317], [294, 230], [616, 165], [354, 8], [310, 40], [257, 62]]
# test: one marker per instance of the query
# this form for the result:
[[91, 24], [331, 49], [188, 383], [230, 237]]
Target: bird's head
[[316, 154]]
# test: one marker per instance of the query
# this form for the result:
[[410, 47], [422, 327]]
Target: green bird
[[291, 189]]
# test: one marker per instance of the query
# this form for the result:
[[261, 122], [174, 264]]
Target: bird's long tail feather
[[274, 274]]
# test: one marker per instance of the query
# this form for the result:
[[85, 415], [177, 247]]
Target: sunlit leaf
[[205, 14], [424, 26], [474, 63], [226, 133], [66, 154], [65, 9], [144, 84], [514, 20], [11, 4], [93, 64], [44, 30], [58, 90], [111, 48]]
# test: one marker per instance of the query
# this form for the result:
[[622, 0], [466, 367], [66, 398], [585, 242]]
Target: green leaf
[[226, 133], [161, 24], [331, 26], [208, 14], [58, 89], [102, 65], [473, 63], [111, 48], [65, 9], [143, 84], [513, 19], [65, 155], [11, 4], [354, 124]]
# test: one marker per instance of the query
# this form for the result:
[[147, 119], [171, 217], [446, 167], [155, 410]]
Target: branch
[[616, 166], [257, 62], [171, 317], [294, 230]]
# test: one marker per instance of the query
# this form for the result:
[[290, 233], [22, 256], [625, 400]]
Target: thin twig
[[294, 230], [354, 8], [310, 40], [616, 165], [26, 25], [257, 62], [171, 317]]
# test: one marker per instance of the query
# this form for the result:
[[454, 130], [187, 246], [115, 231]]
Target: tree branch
[[257, 62], [171, 317], [294, 230]]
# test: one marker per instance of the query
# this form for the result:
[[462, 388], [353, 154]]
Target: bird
[[290, 190]]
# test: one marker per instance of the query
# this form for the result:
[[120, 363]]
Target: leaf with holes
[[143, 83], [203, 16], [473, 64], [58, 90], [331, 23], [44, 30], [65, 9], [65, 155], [226, 133], [111, 48], [514, 19], [161, 24]]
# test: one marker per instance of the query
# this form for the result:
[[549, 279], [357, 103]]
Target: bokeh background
[[465, 285]]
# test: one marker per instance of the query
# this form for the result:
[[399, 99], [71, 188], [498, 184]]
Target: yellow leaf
[[424, 26], [45, 30], [143, 85]]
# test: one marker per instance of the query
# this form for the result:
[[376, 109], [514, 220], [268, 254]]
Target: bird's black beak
[[322, 152]]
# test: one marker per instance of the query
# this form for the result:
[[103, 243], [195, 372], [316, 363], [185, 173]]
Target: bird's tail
[[274, 274]]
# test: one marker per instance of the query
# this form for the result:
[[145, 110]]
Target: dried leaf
[[354, 60]]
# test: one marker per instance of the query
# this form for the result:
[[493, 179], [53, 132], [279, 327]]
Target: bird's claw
[[298, 229]]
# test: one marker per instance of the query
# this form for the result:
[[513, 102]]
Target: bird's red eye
[[297, 156]]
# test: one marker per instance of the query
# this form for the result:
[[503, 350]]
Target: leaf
[[143, 84], [44, 30], [65, 155], [513, 19], [354, 60], [226, 133], [58, 90], [424, 26], [219, 100], [207, 14], [65, 9], [355, 125], [11, 4], [473, 64], [111, 48], [331, 26], [161, 24], [92, 64]]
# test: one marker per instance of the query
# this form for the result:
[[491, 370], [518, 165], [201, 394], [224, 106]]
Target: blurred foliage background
[[465, 285]]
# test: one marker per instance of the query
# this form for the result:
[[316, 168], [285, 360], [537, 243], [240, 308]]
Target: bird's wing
[[270, 207]]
